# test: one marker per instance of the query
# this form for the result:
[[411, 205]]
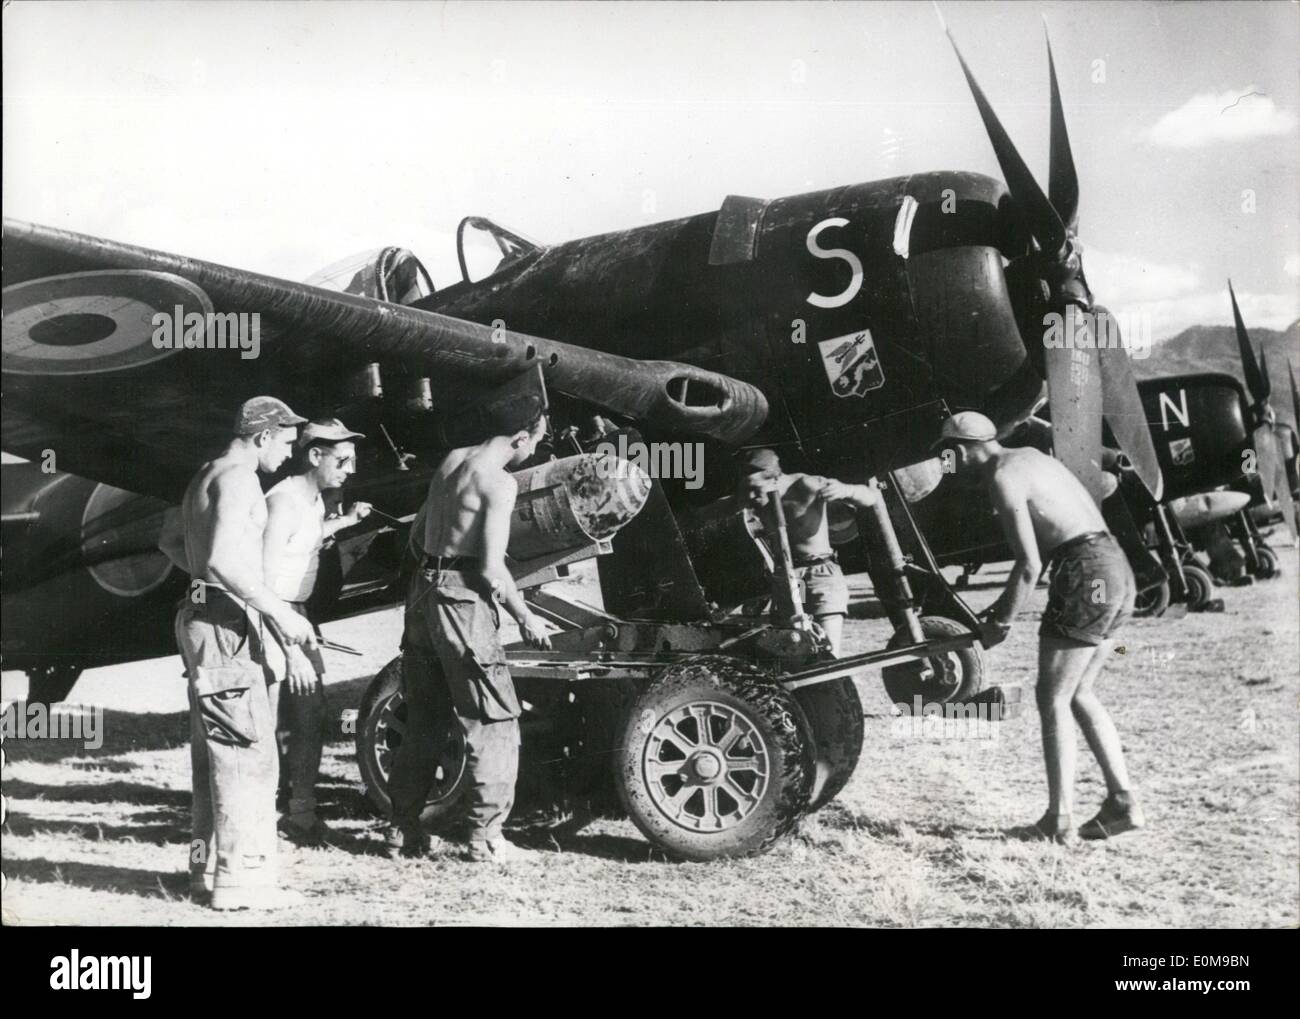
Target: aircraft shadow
[[122, 732]]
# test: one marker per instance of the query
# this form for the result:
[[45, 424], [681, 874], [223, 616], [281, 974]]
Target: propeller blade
[[1074, 385], [1062, 180], [1295, 397], [1266, 385], [1040, 216], [1281, 483], [1249, 367], [1122, 407]]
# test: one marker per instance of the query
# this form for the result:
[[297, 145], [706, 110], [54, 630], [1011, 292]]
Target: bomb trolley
[[713, 735]]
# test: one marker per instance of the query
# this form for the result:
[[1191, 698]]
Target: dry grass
[[1207, 707]]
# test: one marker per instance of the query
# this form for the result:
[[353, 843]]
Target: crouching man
[[221, 631], [451, 644], [804, 499], [296, 529], [1046, 512]]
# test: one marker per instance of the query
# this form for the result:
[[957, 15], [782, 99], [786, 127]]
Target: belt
[[452, 562], [802, 561], [1082, 539]]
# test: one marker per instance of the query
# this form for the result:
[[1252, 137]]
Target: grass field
[[1207, 707]]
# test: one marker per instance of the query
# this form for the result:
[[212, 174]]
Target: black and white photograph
[[587, 465]]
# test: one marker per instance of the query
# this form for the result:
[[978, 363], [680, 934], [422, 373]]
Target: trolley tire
[[773, 743], [834, 714], [377, 740]]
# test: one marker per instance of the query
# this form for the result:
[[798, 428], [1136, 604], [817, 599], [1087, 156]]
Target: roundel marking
[[83, 323]]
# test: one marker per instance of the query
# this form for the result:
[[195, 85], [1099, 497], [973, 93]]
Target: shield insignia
[[1181, 452], [851, 364]]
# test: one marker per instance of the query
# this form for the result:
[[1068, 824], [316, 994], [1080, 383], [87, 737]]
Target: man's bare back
[[1058, 506]]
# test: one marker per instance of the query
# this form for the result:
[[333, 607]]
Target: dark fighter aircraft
[[1222, 453], [838, 327]]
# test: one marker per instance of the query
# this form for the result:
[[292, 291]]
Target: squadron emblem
[[851, 364]]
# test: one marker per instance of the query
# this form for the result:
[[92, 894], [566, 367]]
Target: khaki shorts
[[825, 591]]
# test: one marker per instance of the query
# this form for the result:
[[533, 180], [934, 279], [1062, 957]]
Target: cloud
[[1123, 278], [1211, 308], [1207, 119], [1291, 266]]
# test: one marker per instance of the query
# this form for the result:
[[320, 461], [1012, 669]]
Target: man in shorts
[[805, 498], [1046, 512]]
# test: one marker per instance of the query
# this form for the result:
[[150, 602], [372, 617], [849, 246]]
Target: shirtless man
[[217, 539], [296, 529], [452, 645], [805, 497], [1046, 512]]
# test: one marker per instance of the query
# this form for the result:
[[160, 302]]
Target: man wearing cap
[[325, 456], [1047, 513], [221, 631], [805, 498], [451, 645]]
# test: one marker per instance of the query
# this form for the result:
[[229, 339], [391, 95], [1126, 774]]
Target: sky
[[281, 137]]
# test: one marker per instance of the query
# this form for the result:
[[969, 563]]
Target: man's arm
[[1013, 510], [354, 516], [172, 540], [498, 503], [230, 563], [862, 496]]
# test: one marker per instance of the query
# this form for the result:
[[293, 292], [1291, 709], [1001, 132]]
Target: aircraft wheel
[[1268, 563], [1152, 602], [50, 684], [834, 714], [957, 675], [713, 760], [1200, 586], [381, 724]]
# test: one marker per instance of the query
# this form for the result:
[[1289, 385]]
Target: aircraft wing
[[88, 375]]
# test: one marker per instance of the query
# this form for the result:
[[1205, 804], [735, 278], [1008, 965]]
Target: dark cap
[[262, 412]]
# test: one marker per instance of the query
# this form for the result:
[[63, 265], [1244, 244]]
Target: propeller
[[1267, 436], [1085, 382]]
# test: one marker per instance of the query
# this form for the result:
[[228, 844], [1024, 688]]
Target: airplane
[[837, 327], [1222, 454]]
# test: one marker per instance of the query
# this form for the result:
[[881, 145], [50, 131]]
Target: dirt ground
[[1207, 707]]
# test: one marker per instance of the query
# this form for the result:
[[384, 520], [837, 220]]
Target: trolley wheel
[[713, 760], [381, 727], [834, 714], [1200, 586], [1152, 602], [956, 676]]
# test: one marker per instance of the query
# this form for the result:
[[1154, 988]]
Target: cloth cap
[[262, 412], [966, 426], [327, 430], [765, 460]]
